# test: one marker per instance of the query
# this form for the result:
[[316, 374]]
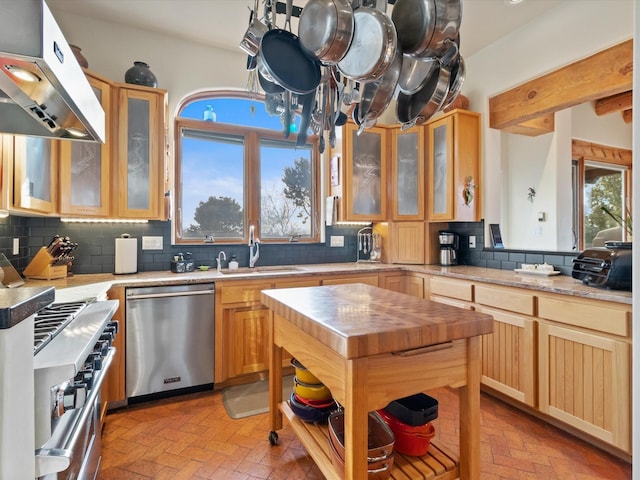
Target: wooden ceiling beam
[[605, 73], [534, 127], [614, 103]]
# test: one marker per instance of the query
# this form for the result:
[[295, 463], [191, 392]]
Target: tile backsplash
[[96, 250]]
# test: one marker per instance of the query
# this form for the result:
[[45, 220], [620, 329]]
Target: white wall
[[573, 30]]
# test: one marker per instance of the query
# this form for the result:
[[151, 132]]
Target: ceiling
[[221, 23]]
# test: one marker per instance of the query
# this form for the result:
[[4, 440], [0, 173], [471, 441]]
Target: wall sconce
[[531, 194]]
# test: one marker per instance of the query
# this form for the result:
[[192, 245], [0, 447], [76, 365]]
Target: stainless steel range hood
[[43, 90]]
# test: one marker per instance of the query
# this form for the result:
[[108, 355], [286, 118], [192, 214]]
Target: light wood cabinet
[[566, 357], [140, 161], [406, 242], [509, 353], [369, 279], [114, 387], [453, 146], [585, 366], [85, 167], [407, 174], [247, 329], [35, 173], [365, 174]]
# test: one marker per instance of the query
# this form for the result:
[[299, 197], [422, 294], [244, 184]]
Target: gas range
[[53, 360]]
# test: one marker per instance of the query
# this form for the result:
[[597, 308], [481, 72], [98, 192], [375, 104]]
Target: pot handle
[[451, 54]]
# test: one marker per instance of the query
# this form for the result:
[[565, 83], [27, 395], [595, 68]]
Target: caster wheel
[[273, 438]]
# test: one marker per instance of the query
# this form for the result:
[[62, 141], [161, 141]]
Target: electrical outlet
[[151, 243], [472, 241], [337, 240], [16, 246]]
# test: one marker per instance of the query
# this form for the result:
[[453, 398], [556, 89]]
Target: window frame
[[592, 153], [252, 171]]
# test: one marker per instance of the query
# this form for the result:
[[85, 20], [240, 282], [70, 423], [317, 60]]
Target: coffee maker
[[448, 247]]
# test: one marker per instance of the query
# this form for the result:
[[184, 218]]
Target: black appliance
[[606, 267]]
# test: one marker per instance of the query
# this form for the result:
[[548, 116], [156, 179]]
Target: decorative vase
[[140, 74], [77, 52]]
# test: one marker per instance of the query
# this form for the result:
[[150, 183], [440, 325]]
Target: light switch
[[151, 243], [337, 240]]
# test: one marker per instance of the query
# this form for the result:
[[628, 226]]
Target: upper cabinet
[[407, 174], [453, 142], [365, 174], [85, 174], [123, 178], [35, 173], [140, 160]]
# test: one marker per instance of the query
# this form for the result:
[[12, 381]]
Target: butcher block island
[[370, 346]]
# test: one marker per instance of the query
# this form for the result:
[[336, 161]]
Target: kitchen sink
[[266, 269]]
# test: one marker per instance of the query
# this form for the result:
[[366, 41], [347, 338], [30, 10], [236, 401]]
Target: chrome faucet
[[219, 261], [253, 242]]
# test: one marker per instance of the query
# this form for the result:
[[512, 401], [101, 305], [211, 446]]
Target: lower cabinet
[[508, 355], [585, 382], [247, 332], [567, 357]]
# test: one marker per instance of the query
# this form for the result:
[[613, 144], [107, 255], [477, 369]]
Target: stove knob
[[115, 324], [101, 347], [107, 338], [74, 396], [96, 360], [111, 331], [85, 376]]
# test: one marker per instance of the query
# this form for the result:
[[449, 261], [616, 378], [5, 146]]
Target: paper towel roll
[[126, 255]]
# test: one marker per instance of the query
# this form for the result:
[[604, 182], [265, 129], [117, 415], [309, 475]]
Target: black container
[[140, 74], [414, 410]]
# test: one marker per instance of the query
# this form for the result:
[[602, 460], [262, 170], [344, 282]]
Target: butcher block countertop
[[96, 285], [360, 320]]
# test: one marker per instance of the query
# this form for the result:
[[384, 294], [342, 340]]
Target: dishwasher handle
[[170, 294]]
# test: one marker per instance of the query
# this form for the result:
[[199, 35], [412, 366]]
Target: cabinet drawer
[[245, 293], [587, 314], [510, 299], [368, 279], [448, 287], [297, 283]]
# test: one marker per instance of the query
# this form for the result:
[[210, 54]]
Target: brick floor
[[191, 437]]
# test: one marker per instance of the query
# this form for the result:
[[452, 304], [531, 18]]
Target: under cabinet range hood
[[43, 90]]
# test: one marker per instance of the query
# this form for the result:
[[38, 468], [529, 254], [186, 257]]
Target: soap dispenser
[[233, 263]]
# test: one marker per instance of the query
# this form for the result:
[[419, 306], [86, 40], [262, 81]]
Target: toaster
[[605, 267]]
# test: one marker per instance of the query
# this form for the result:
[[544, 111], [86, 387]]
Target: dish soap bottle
[[233, 263]]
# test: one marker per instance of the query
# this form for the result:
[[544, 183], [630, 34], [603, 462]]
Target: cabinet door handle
[[427, 349]]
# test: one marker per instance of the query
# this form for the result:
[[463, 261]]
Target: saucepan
[[326, 29], [423, 26], [251, 41], [456, 81]]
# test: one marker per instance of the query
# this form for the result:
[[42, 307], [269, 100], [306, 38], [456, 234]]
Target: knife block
[[40, 267]]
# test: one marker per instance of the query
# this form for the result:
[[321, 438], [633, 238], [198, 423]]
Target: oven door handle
[[52, 460]]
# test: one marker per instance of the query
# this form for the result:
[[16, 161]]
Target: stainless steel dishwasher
[[169, 340]]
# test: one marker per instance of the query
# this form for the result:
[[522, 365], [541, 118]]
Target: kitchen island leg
[[275, 384], [356, 420], [470, 413]]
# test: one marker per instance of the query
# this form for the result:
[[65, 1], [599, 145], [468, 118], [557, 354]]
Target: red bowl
[[410, 440], [315, 403]]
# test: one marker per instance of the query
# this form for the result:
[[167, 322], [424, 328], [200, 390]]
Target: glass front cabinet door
[[365, 179], [454, 167], [35, 174], [407, 174], [141, 152], [85, 174]]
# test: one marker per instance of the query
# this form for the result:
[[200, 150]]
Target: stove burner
[[50, 321]]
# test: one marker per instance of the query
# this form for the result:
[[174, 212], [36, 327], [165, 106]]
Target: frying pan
[[423, 26], [285, 61], [373, 47], [326, 28], [376, 96], [455, 83], [414, 73]]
